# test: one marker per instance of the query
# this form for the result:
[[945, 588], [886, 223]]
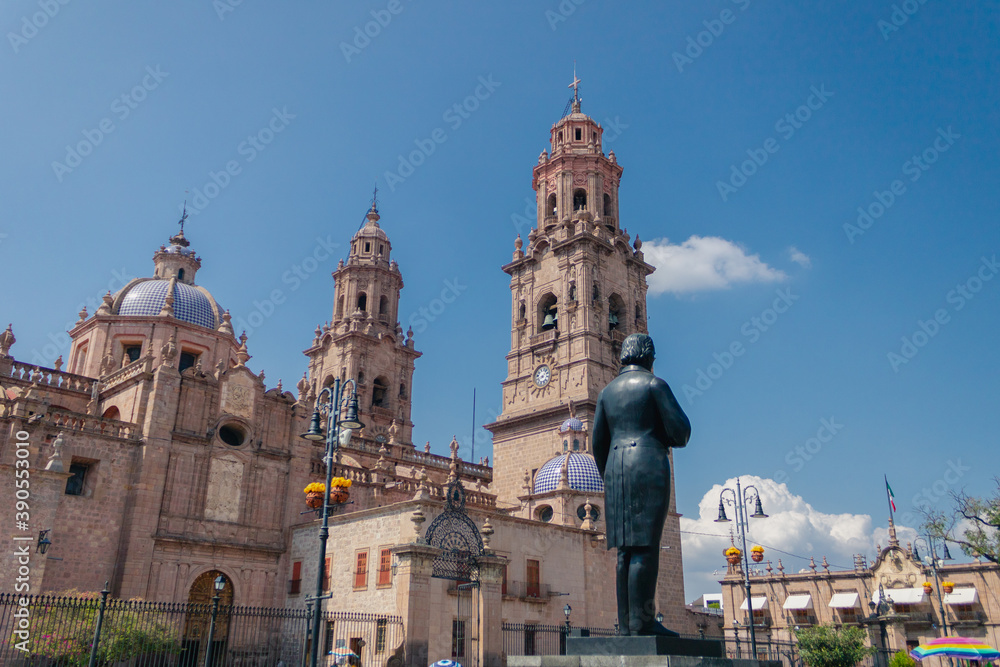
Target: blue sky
[[690, 94]]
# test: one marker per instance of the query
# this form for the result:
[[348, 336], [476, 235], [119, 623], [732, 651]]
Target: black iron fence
[[533, 639], [51, 631]]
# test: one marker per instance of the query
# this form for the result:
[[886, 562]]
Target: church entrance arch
[[196, 625]]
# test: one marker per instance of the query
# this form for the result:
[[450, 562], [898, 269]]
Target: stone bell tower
[[577, 290], [364, 341]]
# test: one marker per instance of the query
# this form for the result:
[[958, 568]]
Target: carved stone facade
[[818, 594]]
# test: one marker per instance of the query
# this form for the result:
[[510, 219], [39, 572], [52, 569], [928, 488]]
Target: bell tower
[[364, 341], [577, 290]]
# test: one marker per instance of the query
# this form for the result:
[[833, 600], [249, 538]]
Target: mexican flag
[[888, 490]]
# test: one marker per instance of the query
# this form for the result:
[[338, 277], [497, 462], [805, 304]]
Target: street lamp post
[[220, 583], [932, 560], [741, 499], [879, 612], [336, 398]]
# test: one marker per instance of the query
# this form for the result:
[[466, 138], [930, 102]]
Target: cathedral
[[159, 459]]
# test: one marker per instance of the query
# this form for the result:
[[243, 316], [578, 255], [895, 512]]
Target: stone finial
[[812, 563], [527, 481], [241, 355], [417, 517], [611, 157], [393, 433], [637, 244], [543, 157], [423, 489], [107, 301], [280, 388], [487, 532], [169, 350], [83, 315], [57, 364], [781, 568], [226, 326], [770, 569], [55, 463], [453, 446], [427, 447], [168, 302], [588, 520], [303, 386], [7, 340], [107, 361], [826, 566], [564, 474], [317, 334], [340, 263]]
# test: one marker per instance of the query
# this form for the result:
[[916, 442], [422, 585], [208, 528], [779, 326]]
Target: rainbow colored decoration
[[955, 647]]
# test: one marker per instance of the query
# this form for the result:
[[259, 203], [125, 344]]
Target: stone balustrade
[[137, 367], [65, 420], [27, 374]]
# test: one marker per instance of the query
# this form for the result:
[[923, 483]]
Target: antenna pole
[[472, 457]]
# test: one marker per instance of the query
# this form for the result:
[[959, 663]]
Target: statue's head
[[638, 350]]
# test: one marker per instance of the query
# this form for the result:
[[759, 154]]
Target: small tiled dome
[[191, 303], [581, 472], [571, 424]]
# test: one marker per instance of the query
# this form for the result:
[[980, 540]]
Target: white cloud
[[793, 525], [799, 257], [704, 263]]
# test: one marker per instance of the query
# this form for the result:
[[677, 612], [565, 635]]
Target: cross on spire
[[576, 89], [184, 216], [375, 199]]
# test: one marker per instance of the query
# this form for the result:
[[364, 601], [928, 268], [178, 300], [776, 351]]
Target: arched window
[[638, 314], [520, 311], [550, 206], [361, 377], [616, 311], [548, 317], [402, 391], [579, 134], [576, 445], [597, 293], [559, 138], [607, 204], [379, 388], [565, 445], [383, 305], [112, 413], [572, 291], [340, 306], [579, 200], [180, 275], [328, 382], [362, 302]]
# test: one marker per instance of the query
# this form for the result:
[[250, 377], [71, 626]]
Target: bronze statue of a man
[[636, 423]]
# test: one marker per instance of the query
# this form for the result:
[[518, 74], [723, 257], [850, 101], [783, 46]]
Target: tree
[[902, 659], [827, 646], [973, 523]]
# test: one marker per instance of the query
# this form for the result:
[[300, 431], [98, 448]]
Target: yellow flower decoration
[[342, 482], [757, 548], [733, 551], [315, 487]]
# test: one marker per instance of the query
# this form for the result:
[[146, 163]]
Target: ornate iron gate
[[458, 537]]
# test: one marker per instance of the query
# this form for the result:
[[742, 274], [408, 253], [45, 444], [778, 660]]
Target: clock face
[[542, 375]]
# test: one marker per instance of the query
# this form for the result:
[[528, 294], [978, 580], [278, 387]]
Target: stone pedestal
[[659, 646], [413, 582]]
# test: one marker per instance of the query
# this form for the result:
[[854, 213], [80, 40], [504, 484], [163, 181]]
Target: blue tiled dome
[[581, 471], [571, 424], [191, 304]]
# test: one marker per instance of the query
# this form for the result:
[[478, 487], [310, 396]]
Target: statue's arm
[[600, 437], [675, 422]]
